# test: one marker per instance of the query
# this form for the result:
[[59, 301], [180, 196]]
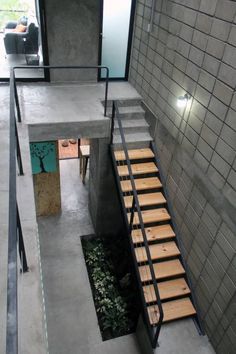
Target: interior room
[[20, 38]]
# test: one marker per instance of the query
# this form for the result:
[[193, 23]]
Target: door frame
[[43, 30], [129, 44]]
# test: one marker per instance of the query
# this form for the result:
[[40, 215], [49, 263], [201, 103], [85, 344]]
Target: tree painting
[[40, 152]]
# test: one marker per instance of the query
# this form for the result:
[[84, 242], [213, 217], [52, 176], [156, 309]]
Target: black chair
[[21, 42]]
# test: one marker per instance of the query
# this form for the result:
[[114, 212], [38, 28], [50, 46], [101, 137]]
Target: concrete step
[[129, 112], [134, 140], [125, 103], [132, 112], [132, 126]]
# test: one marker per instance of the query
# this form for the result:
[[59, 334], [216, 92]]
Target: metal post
[[12, 311], [132, 215], [17, 102], [21, 244], [106, 92], [18, 153], [112, 122]]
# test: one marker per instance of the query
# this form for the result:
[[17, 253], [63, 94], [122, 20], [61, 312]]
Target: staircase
[[157, 257]]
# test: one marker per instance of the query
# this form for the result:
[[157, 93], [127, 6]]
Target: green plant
[[115, 315], [110, 306]]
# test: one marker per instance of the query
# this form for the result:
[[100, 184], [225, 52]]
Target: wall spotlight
[[182, 101]]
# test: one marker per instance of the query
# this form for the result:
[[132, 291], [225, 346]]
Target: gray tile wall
[[192, 48]]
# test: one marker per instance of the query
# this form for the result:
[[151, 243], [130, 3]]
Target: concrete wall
[[106, 217], [192, 49], [73, 36]]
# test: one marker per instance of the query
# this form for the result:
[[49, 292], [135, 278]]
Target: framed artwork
[[43, 157]]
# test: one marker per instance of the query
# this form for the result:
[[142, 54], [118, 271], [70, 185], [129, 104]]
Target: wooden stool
[[83, 162]]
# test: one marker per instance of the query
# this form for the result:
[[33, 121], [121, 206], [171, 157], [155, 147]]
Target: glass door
[[116, 26]]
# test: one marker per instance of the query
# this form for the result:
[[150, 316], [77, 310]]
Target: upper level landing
[[48, 108]]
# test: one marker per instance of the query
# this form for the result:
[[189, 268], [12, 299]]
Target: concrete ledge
[[55, 131]]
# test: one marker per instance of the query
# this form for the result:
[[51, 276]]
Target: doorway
[[116, 29], [74, 173], [22, 39]]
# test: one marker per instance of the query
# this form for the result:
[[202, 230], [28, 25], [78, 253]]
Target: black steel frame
[[153, 332], [129, 44], [15, 234]]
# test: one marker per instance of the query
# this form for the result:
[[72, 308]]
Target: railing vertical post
[[106, 92], [21, 244], [12, 312], [17, 103], [112, 122], [18, 153], [132, 215]]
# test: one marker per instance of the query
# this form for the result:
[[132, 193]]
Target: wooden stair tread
[[153, 233], [141, 184], [146, 199], [162, 270], [137, 169], [167, 290], [134, 154], [151, 216], [157, 251], [172, 310]]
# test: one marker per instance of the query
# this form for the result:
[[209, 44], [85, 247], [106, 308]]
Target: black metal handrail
[[136, 207], [15, 236], [48, 67]]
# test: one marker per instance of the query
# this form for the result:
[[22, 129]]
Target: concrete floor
[[71, 317]]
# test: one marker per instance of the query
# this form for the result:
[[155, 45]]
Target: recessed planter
[[113, 286]]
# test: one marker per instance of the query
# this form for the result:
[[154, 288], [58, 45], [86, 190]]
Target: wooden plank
[[172, 310], [151, 216], [157, 251], [134, 154], [162, 270], [167, 290], [153, 233], [146, 199], [141, 184], [137, 169]]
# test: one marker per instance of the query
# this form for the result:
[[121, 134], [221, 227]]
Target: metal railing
[[153, 331], [15, 235], [73, 67]]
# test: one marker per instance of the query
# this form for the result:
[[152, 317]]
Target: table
[[83, 161]]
